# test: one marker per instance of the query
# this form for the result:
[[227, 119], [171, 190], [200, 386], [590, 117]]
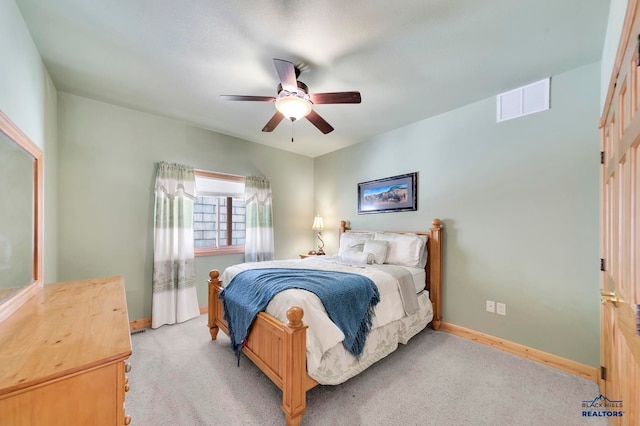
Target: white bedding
[[324, 338], [337, 365]]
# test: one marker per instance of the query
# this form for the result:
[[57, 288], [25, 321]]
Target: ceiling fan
[[294, 100]]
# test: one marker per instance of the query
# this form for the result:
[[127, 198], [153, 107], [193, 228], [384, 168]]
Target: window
[[218, 214]]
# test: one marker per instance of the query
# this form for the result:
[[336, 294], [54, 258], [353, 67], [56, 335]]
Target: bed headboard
[[433, 269]]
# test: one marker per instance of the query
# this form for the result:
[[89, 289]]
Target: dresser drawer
[[92, 397]]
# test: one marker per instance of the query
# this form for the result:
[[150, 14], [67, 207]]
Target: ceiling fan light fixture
[[294, 100], [293, 106]]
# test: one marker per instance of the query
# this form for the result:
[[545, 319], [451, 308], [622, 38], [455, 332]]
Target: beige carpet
[[181, 377]]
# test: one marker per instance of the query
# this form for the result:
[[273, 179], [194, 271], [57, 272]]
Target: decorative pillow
[[353, 241], [404, 249], [356, 256], [378, 248]]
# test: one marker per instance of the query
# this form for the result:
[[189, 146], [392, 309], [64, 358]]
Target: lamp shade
[[318, 224], [293, 107]]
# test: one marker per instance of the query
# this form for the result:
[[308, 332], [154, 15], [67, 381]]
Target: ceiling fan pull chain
[[293, 126]]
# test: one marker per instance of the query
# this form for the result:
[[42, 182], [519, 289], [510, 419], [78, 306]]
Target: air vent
[[524, 100]]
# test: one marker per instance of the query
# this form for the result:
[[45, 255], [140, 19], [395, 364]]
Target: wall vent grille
[[524, 100]]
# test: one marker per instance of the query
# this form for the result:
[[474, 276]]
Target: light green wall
[[23, 80], [28, 98], [520, 205], [107, 160]]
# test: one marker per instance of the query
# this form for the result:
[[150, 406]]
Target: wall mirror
[[21, 220]]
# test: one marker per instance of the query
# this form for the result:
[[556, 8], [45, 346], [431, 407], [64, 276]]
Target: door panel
[[620, 189]]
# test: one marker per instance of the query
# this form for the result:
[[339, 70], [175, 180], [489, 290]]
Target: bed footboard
[[278, 349]]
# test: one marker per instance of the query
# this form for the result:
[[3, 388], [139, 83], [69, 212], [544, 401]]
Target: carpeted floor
[[181, 377]]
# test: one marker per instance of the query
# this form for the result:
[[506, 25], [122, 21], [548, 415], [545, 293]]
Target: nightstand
[[304, 256]]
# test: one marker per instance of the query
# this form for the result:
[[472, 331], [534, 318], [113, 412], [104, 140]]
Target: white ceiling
[[410, 59]]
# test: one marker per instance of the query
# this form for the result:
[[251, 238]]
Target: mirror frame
[[14, 133]]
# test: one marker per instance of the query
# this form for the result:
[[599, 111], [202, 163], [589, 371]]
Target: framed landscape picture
[[392, 194]]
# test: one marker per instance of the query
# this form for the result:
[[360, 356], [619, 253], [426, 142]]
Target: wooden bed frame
[[279, 349]]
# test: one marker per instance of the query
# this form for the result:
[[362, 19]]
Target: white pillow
[[425, 252], [356, 256], [378, 248], [353, 241], [404, 249]]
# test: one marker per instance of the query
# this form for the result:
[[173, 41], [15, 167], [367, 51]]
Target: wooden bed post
[[343, 228], [294, 392], [214, 286], [435, 272]]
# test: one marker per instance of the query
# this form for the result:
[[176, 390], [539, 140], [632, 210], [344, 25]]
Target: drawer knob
[[126, 387], [127, 420], [127, 366]]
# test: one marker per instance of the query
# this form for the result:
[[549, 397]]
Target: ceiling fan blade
[[319, 122], [247, 98], [336, 98], [275, 120], [287, 75]]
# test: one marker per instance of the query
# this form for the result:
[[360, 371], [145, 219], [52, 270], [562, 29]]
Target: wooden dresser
[[62, 356]]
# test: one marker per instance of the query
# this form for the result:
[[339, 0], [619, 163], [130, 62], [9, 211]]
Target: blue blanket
[[348, 298]]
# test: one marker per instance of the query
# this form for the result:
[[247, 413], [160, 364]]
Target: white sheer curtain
[[259, 221], [174, 288]]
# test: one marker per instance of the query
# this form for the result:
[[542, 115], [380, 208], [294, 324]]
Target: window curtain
[[259, 221], [174, 288]]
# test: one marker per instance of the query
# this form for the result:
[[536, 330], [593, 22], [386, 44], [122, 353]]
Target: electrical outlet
[[491, 306], [501, 309]]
